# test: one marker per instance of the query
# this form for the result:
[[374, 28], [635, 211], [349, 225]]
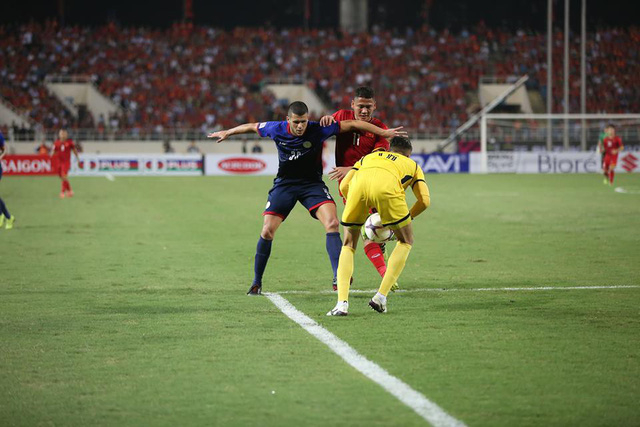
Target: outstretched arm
[[352, 125], [224, 134]]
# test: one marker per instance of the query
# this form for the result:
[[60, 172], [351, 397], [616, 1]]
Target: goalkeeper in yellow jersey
[[379, 180]]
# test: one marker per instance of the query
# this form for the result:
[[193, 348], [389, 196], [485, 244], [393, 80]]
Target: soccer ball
[[374, 230]]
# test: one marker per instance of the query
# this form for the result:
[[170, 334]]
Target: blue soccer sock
[[334, 246], [262, 256], [3, 209]]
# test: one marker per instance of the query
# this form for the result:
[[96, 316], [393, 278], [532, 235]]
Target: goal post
[[528, 132]]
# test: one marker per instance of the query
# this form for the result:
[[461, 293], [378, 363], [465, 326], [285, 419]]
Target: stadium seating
[[205, 78]]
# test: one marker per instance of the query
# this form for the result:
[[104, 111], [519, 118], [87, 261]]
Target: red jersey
[[62, 150], [611, 144], [352, 146]]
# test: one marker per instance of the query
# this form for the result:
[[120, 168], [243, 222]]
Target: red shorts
[[62, 168], [609, 160]]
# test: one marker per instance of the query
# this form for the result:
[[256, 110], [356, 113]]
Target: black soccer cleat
[[255, 289]]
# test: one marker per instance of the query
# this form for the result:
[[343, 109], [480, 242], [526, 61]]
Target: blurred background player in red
[[43, 149], [611, 146], [61, 155], [351, 147]]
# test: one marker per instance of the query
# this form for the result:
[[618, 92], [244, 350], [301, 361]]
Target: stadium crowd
[[199, 77]]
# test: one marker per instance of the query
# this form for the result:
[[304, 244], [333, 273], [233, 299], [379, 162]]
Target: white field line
[[403, 392], [625, 191], [533, 288]]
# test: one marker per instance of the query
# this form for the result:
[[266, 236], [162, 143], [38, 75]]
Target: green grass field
[[126, 306]]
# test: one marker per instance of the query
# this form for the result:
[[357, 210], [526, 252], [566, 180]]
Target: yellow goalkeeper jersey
[[403, 168]]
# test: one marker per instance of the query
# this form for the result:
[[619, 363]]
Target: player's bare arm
[[619, 149], [224, 134], [339, 172], [353, 125], [423, 199]]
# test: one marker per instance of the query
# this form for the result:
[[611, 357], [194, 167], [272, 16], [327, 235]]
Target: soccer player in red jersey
[[351, 147], [61, 155], [611, 146]]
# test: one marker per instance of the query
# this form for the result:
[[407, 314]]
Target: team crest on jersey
[[307, 144]]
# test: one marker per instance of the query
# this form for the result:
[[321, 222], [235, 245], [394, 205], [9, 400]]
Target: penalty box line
[[415, 400], [403, 291]]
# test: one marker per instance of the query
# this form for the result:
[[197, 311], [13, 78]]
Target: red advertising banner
[[28, 164]]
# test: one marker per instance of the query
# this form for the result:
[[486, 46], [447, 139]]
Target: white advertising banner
[[137, 164], [245, 164], [550, 162], [241, 164]]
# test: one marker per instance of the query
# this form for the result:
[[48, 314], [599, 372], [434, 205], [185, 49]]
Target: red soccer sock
[[611, 174], [374, 253], [68, 185], [63, 186]]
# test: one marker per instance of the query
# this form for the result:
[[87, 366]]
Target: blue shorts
[[286, 192]]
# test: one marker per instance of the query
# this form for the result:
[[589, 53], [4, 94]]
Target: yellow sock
[[395, 265], [345, 271]]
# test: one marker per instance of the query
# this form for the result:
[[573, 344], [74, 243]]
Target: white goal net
[[557, 133]]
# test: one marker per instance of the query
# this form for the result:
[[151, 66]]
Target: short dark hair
[[298, 108], [610, 125], [365, 92], [400, 143]]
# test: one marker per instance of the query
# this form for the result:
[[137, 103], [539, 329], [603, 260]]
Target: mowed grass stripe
[[427, 409], [404, 291]]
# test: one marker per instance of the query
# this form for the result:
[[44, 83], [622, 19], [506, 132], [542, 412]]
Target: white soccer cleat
[[379, 303], [341, 309]]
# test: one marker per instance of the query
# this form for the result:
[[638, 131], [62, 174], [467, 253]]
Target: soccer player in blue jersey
[[299, 178], [4, 213]]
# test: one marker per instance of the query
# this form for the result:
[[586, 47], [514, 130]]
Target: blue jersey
[[300, 157], [1, 150]]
